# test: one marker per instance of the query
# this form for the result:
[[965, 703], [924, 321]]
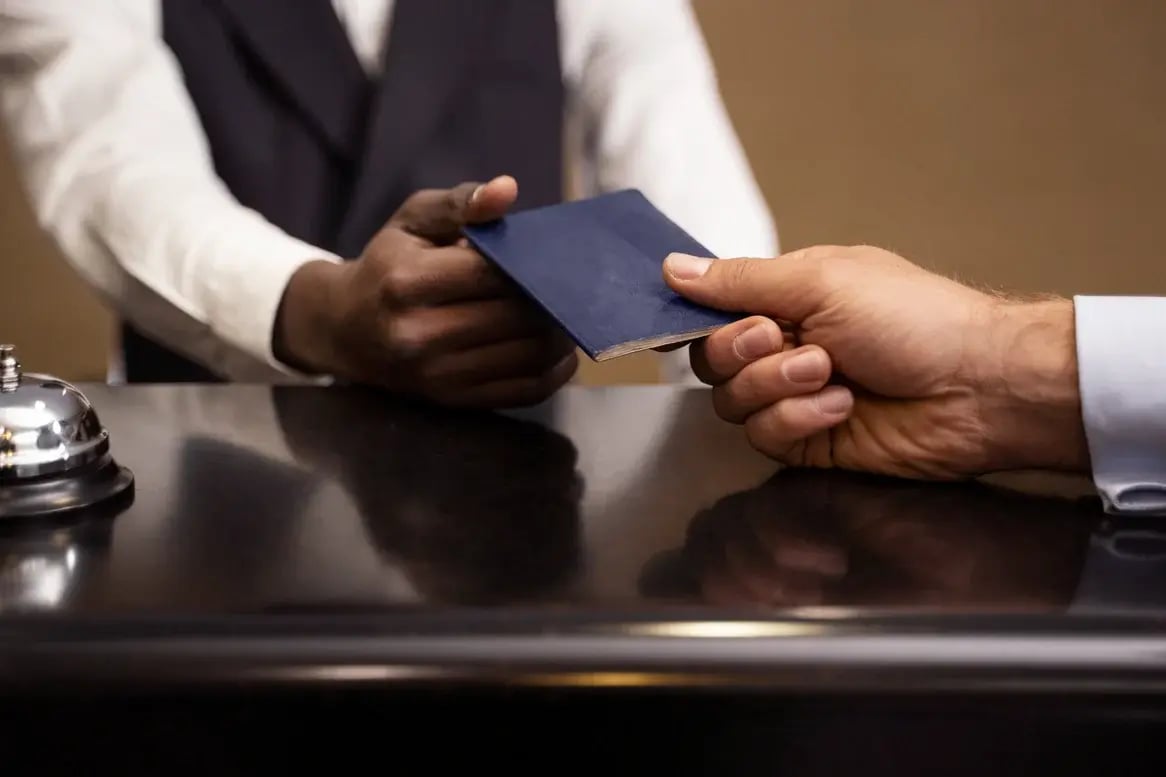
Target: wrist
[[305, 321], [1028, 387]]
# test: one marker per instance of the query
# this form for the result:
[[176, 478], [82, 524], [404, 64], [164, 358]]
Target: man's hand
[[891, 369], [422, 313]]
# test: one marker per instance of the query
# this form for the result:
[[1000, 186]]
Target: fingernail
[[835, 400], [755, 342], [808, 367], [477, 193], [687, 268]]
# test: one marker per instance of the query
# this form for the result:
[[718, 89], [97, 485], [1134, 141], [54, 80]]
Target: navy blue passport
[[596, 266]]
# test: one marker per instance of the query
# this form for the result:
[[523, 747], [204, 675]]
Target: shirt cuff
[[1121, 358]]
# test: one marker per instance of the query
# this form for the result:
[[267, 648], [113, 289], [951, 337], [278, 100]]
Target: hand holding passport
[[594, 265]]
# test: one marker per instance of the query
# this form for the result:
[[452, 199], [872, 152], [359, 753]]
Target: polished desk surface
[[618, 536]]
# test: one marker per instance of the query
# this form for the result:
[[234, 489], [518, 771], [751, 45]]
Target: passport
[[596, 267]]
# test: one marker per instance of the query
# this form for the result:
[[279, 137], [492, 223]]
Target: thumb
[[438, 215], [786, 288], [490, 200]]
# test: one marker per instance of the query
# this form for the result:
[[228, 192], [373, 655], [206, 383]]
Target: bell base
[[97, 486]]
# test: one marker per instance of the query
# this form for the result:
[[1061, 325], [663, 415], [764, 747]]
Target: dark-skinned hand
[[423, 314]]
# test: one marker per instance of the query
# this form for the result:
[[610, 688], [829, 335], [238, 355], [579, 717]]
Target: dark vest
[[470, 89]]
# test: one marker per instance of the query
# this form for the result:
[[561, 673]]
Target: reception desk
[[613, 581]]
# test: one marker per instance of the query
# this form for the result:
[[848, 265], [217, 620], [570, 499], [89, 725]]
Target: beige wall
[[1020, 143], [57, 325]]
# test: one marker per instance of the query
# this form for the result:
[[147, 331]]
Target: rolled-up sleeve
[[1121, 355]]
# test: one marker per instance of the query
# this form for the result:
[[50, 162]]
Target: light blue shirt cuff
[[1121, 359]]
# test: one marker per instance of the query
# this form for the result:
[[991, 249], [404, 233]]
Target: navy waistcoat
[[298, 131]]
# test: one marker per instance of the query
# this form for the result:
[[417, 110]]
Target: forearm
[[1030, 388], [1078, 387], [302, 336]]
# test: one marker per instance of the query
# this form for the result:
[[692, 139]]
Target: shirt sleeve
[[1121, 356], [645, 102], [643, 86], [118, 172]]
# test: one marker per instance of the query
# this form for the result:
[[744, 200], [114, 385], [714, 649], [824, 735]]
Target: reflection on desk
[[44, 568], [475, 508], [260, 499], [810, 538]]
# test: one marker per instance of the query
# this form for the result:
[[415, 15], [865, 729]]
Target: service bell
[[54, 453]]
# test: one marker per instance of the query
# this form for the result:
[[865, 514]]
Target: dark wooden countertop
[[622, 535]]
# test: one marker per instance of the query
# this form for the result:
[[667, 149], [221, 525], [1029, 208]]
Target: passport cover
[[596, 266]]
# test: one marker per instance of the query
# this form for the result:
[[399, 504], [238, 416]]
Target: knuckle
[[757, 381], [763, 438], [415, 210], [420, 199], [817, 253], [767, 430], [760, 435], [401, 284], [736, 273], [757, 429], [384, 244], [408, 338], [758, 384], [725, 404], [452, 200], [741, 391]]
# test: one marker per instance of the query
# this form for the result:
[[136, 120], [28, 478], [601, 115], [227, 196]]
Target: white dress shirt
[[367, 24], [119, 172], [1121, 361]]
